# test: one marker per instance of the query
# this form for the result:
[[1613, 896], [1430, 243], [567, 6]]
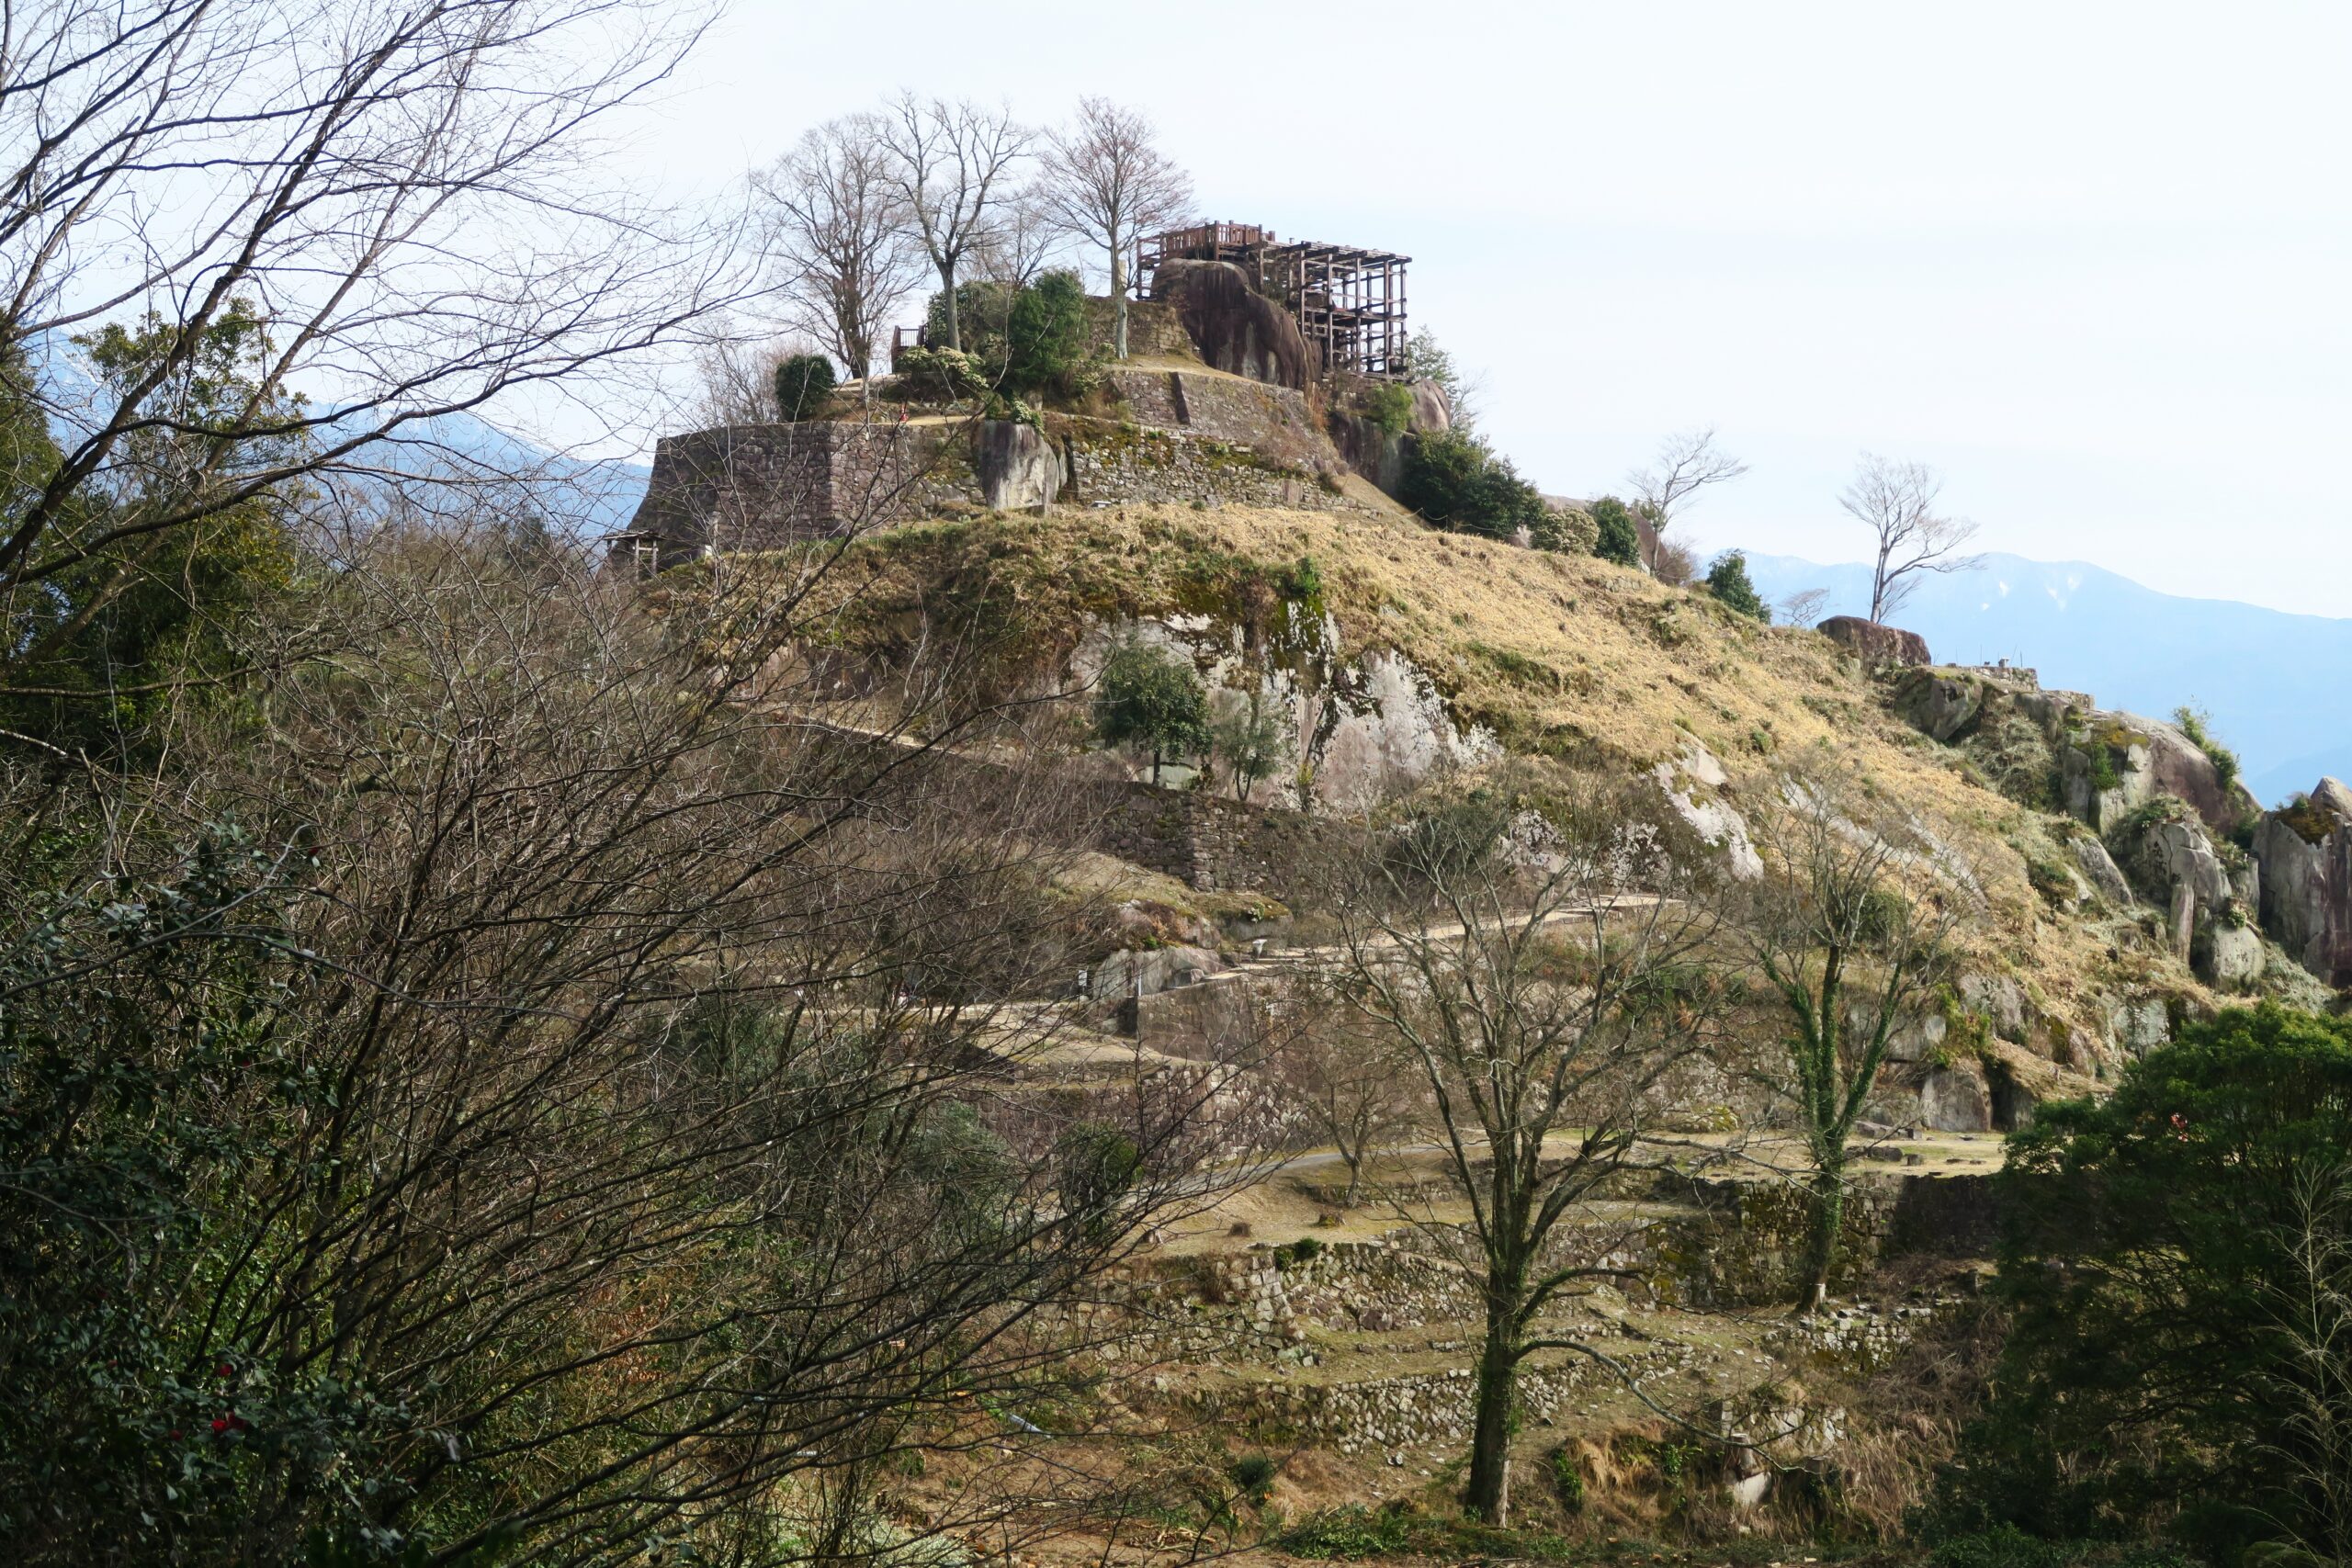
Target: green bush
[[803, 383], [1388, 407], [1618, 539], [1023, 341], [2177, 1259], [1097, 1165], [1457, 483], [943, 375], [1728, 581], [1151, 698], [2195, 723], [1306, 1249], [1254, 1474], [1349, 1530], [1567, 1480]]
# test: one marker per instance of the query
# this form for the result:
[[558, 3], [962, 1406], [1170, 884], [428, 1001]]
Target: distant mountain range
[[2278, 686]]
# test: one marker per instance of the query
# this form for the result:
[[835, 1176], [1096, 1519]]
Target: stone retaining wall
[[758, 487], [1135, 465]]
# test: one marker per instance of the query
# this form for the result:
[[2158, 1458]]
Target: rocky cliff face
[[2305, 852], [1236, 328]]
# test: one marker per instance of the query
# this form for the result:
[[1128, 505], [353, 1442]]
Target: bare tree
[[1849, 924], [838, 235], [952, 167], [738, 379], [1804, 607], [1359, 1092], [1105, 182], [579, 1127], [1547, 1012], [1898, 502], [1687, 466], [401, 195], [1021, 243]]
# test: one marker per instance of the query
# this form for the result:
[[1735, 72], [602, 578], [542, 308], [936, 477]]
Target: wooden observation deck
[[1348, 301]]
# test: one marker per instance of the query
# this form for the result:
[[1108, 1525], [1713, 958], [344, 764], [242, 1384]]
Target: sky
[[2089, 261]]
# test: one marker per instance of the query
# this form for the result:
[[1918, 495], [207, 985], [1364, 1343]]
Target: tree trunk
[[1487, 1493], [1828, 1206], [1118, 303], [1155, 765], [954, 327]]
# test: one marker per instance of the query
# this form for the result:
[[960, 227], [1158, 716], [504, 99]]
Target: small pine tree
[[1728, 581], [1149, 697], [1618, 540], [803, 382]]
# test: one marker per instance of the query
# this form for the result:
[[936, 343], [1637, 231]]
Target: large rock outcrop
[[2119, 761], [1878, 647], [2209, 892], [1233, 327], [1018, 466], [2305, 850]]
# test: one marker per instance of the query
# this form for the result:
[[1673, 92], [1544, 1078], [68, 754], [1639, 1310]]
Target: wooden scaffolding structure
[[1348, 301]]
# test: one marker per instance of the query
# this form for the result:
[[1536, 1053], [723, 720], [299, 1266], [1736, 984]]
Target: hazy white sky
[[2090, 260]]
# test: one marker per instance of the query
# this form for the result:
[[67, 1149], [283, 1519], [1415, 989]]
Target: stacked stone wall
[[756, 487], [1153, 329], [1137, 465]]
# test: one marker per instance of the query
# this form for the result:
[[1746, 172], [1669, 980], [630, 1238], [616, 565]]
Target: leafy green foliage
[[1151, 698], [106, 640], [2196, 723], [1457, 483], [1567, 1480], [1254, 1474], [1349, 1530], [1388, 406], [146, 1064], [1025, 341], [803, 383], [2177, 1260], [1097, 1164], [1250, 737], [1619, 540], [1727, 580]]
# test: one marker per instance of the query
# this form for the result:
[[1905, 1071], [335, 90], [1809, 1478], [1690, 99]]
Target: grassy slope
[[1556, 654]]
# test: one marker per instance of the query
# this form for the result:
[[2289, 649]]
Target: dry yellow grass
[[1562, 655]]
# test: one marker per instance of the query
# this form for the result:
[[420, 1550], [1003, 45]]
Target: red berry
[[227, 1370], [219, 1422]]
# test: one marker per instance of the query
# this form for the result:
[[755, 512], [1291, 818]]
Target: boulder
[[1956, 1100], [2100, 871], [2228, 956], [1915, 1039], [1432, 413], [2141, 1025], [1018, 466], [2000, 999], [2147, 758], [2162, 858], [1878, 647], [2305, 852], [1151, 970], [1235, 328], [1943, 707]]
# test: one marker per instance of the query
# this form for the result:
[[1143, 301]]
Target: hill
[[2274, 683]]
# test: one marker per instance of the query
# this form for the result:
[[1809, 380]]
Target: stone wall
[[1153, 331], [1206, 840], [1136, 465], [755, 487], [1279, 423]]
